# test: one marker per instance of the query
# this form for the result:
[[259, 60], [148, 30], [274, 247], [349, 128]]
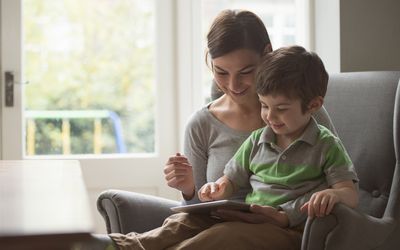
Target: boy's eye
[[281, 109], [220, 73]]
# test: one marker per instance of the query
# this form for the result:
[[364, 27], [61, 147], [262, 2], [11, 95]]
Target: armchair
[[364, 107]]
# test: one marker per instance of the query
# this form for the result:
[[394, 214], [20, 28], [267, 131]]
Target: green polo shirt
[[316, 160]]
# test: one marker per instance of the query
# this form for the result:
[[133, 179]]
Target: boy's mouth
[[277, 126]]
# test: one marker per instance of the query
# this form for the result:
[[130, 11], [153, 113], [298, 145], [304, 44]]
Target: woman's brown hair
[[236, 29]]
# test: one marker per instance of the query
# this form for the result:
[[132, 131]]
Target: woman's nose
[[234, 81]]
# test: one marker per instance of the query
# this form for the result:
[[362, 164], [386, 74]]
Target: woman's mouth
[[238, 93]]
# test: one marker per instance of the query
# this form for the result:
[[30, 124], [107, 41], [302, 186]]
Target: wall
[[370, 35], [327, 33], [357, 35]]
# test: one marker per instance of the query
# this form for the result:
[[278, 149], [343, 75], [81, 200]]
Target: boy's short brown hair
[[293, 72]]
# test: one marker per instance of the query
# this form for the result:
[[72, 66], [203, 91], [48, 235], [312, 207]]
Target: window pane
[[282, 18], [91, 71]]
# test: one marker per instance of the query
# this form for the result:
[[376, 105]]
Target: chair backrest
[[362, 107]]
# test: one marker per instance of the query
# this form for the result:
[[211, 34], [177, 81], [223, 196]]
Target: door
[[91, 80]]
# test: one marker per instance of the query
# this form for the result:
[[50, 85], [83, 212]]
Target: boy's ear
[[315, 104]]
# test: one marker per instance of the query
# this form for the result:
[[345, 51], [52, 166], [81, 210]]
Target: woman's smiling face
[[234, 74]]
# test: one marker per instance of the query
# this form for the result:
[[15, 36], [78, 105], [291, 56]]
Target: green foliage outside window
[[91, 55]]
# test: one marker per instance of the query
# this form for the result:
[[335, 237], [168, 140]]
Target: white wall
[[357, 35], [370, 35], [327, 33]]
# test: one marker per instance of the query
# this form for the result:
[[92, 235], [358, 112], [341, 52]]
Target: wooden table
[[43, 205]]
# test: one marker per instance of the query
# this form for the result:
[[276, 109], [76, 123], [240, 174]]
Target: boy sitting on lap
[[293, 164]]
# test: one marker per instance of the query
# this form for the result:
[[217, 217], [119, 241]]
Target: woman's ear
[[315, 104], [268, 48]]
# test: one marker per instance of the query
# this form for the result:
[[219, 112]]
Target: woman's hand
[[179, 175], [258, 214]]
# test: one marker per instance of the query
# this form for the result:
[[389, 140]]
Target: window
[[130, 79], [91, 71]]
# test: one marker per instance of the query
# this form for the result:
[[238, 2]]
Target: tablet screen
[[207, 207]]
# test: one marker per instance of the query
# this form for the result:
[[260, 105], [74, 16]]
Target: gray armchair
[[364, 107]]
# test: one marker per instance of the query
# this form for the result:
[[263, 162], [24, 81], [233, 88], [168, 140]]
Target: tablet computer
[[208, 207]]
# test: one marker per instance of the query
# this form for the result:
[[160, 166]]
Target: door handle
[[9, 88]]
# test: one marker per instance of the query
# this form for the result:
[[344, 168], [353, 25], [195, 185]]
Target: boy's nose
[[270, 115]]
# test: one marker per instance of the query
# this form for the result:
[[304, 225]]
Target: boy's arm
[[321, 203], [223, 188], [347, 192]]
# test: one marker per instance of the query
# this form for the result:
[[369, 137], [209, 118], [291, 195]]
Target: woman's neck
[[238, 116]]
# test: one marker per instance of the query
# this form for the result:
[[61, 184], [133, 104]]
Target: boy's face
[[284, 115]]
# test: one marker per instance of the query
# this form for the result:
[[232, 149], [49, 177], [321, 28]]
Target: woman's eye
[[246, 72], [221, 73]]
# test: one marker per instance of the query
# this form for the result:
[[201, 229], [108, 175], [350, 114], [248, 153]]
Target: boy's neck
[[283, 142]]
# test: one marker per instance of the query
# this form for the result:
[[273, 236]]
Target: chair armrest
[[126, 212], [346, 228]]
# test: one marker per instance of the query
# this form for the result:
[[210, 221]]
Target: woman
[[236, 42]]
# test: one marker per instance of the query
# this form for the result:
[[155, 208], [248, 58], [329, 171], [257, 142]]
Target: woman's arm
[[187, 172], [179, 175], [195, 148]]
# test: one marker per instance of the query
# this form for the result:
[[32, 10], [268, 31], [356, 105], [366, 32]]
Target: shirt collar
[[310, 134]]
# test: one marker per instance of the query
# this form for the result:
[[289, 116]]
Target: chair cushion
[[363, 117]]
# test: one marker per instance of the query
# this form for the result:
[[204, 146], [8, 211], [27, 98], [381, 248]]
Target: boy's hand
[[321, 203], [212, 191], [259, 214]]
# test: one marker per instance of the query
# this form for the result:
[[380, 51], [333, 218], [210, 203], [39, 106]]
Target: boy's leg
[[240, 235], [176, 228]]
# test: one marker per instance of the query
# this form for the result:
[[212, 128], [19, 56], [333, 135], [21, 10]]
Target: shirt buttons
[[376, 193], [283, 157]]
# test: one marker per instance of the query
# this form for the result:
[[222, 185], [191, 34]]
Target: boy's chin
[[278, 129]]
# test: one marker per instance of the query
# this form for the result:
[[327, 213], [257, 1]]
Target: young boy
[[293, 164]]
